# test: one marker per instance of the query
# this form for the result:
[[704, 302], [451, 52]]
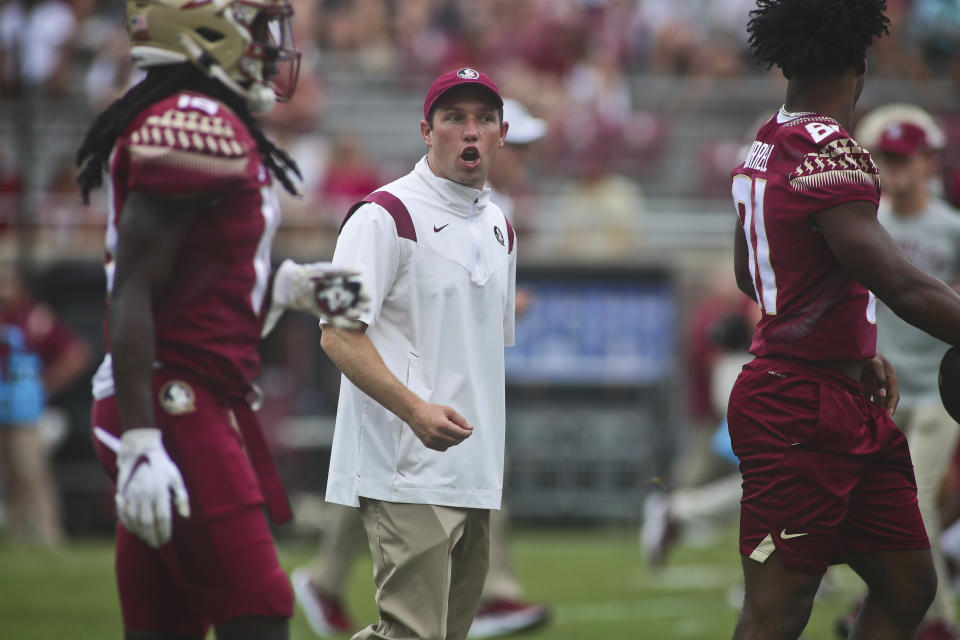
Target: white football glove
[[320, 289], [145, 481]]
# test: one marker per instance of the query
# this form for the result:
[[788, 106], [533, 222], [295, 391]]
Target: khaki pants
[[32, 501], [932, 436], [430, 563], [344, 539]]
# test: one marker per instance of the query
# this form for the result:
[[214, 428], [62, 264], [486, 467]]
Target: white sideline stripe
[[641, 608], [695, 577]]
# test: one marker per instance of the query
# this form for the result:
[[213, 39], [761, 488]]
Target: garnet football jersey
[[209, 316], [800, 164]]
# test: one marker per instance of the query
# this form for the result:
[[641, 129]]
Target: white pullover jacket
[[441, 276]]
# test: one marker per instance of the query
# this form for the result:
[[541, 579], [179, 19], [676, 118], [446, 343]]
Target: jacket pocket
[[409, 447]]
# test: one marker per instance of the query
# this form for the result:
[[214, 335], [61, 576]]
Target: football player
[[827, 476], [190, 291]]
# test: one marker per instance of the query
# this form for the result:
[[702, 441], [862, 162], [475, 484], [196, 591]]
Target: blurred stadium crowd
[[647, 103], [645, 98]]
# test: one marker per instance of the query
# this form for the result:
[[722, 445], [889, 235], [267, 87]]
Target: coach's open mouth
[[470, 157]]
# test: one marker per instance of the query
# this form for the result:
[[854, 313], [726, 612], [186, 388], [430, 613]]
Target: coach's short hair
[[815, 37]]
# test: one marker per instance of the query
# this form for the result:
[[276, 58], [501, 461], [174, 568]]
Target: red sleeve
[[831, 170], [187, 144]]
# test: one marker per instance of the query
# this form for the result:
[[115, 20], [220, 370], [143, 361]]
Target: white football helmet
[[245, 44]]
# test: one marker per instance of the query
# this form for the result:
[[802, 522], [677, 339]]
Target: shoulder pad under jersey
[[187, 142], [829, 157]]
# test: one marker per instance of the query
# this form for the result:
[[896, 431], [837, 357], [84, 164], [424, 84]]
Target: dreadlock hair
[[815, 37], [94, 152]]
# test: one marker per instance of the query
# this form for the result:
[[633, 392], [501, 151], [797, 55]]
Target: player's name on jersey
[[758, 156]]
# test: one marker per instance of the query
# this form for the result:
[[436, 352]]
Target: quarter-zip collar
[[460, 199]]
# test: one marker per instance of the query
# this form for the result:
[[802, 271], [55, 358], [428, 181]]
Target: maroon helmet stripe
[[509, 236], [396, 209]]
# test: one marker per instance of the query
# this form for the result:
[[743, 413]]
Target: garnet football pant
[[221, 562], [826, 474], [932, 435]]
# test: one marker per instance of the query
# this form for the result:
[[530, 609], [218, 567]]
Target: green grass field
[[594, 578]]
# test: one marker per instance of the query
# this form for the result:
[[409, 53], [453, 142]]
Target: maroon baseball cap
[[458, 78], [902, 139]]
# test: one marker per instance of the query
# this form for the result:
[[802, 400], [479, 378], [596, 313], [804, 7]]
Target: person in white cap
[[502, 608], [321, 585], [906, 141], [509, 173]]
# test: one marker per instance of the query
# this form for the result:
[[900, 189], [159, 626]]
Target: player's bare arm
[[740, 265], [437, 426], [865, 249], [150, 231]]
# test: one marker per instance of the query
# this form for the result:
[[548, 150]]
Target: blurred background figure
[[906, 140], [509, 176], [935, 26], [11, 184], [348, 178], [320, 587], [503, 611], [720, 309], [599, 212], [514, 192], [36, 39], [707, 479], [39, 357]]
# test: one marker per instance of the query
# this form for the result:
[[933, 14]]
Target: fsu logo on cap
[[468, 74]]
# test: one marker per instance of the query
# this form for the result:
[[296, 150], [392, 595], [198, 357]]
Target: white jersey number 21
[[748, 198], [748, 194]]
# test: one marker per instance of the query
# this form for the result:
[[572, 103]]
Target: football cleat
[[506, 617], [325, 614], [845, 621], [659, 531]]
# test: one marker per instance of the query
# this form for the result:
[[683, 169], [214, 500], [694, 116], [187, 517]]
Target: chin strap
[[259, 98]]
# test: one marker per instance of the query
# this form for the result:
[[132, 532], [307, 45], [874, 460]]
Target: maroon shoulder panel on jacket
[[396, 209]]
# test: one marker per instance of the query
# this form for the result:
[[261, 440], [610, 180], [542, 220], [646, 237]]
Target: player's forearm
[[132, 348], [358, 359], [741, 268], [928, 304]]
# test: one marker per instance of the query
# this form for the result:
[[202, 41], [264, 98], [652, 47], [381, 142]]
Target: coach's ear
[[426, 130]]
